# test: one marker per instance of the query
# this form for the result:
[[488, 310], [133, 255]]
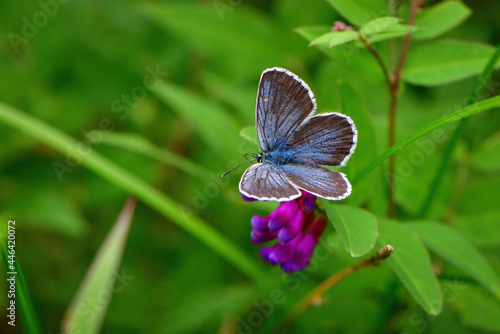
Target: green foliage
[[453, 247], [378, 25], [446, 61], [357, 228], [440, 18], [99, 281], [411, 263], [335, 38]]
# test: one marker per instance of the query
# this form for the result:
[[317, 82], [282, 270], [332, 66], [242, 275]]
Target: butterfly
[[295, 143]]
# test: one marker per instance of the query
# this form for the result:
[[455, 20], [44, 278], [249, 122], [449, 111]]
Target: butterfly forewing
[[283, 102], [267, 182], [326, 139]]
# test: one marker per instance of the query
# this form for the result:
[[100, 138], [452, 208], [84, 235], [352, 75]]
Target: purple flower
[[297, 231]]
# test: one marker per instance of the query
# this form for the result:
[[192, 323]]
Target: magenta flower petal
[[308, 200], [259, 237], [283, 214], [302, 256], [295, 225], [267, 253], [260, 223]]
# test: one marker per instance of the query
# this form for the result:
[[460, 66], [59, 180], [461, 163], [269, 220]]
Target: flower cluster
[[294, 224], [341, 26]]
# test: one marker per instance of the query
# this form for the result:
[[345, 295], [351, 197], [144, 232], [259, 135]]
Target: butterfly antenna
[[237, 167]]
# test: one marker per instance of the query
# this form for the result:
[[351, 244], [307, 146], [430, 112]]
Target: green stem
[[23, 304], [450, 118], [130, 183], [448, 152]]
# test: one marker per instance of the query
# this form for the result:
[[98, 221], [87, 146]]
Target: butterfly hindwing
[[325, 139], [318, 181], [264, 181], [283, 102]]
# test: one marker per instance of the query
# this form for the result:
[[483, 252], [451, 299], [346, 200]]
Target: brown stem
[[393, 107], [315, 296], [374, 52]]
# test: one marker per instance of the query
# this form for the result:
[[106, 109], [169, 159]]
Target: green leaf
[[250, 133], [170, 209], [410, 261], [479, 310], [453, 247], [366, 149], [97, 288], [440, 18], [395, 31], [446, 61], [358, 12], [213, 124], [334, 38], [379, 25], [138, 144], [357, 227], [24, 305], [450, 118]]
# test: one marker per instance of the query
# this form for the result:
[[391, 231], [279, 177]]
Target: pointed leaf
[[397, 30], [410, 261], [334, 38], [357, 227], [440, 18], [379, 25], [446, 61], [96, 290], [449, 244]]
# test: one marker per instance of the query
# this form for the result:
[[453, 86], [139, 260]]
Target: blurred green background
[[88, 66]]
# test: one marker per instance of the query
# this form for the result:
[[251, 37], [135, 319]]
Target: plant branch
[[375, 53], [393, 107], [315, 297]]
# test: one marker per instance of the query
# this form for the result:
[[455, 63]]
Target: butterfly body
[[295, 143]]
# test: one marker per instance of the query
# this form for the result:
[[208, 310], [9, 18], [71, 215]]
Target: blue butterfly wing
[[284, 101], [265, 182], [318, 180], [325, 139]]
